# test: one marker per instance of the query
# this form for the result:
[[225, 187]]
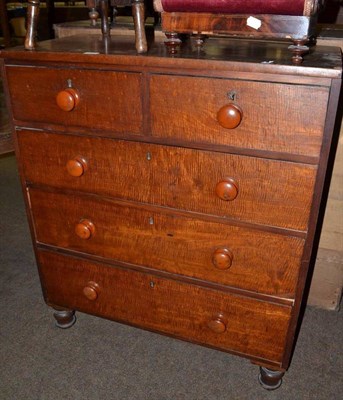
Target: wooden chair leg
[[138, 13], [105, 26], [32, 21]]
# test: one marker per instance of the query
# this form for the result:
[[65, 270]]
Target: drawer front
[[274, 117], [189, 312], [247, 259], [264, 191], [107, 100]]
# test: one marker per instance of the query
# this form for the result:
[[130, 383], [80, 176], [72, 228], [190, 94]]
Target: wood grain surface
[[279, 195], [144, 209], [261, 262], [108, 100], [252, 327], [275, 116]]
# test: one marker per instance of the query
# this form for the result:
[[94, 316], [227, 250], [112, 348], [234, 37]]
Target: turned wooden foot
[[199, 40], [173, 42], [64, 318], [270, 379], [32, 21], [298, 49]]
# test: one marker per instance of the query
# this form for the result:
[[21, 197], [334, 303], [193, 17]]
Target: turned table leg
[[64, 318], [139, 20], [105, 26], [32, 21], [270, 379]]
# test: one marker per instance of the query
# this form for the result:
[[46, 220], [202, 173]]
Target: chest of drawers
[[176, 194]]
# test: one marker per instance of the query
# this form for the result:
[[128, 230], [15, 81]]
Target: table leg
[[139, 21], [32, 21]]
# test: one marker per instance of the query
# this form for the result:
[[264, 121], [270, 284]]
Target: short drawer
[[249, 189], [106, 100], [244, 258], [273, 117], [250, 327]]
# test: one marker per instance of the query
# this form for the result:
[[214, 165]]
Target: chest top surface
[[217, 55]]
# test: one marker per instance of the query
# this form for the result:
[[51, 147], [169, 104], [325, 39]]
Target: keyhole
[[232, 95]]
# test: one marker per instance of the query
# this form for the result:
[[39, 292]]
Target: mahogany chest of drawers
[[176, 194]]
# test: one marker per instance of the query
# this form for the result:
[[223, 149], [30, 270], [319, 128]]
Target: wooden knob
[[217, 325], [222, 258], [91, 291], [227, 189], [85, 229], [67, 99], [230, 116], [77, 166]]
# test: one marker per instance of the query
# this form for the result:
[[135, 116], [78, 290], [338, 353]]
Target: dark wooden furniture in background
[[176, 194], [97, 7], [5, 28]]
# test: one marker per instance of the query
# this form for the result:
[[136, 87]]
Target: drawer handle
[[67, 99], [222, 258], [227, 189], [77, 166], [230, 116], [91, 291], [85, 229], [218, 324]]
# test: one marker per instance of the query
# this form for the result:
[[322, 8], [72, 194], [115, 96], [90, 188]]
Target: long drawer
[[228, 322], [249, 189], [107, 100], [272, 116], [244, 258]]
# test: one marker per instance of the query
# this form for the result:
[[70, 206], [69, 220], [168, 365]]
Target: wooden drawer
[[107, 100], [248, 259], [268, 192], [206, 316], [275, 117]]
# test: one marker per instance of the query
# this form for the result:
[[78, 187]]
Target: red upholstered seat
[[280, 7], [276, 7]]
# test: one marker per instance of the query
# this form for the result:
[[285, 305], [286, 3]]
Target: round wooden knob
[[230, 116], [85, 229], [217, 325], [91, 291], [222, 258], [227, 189], [67, 99], [77, 166]]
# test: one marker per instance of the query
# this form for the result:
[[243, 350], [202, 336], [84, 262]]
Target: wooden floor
[[6, 144]]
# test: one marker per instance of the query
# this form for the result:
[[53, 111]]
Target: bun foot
[[270, 379], [64, 318], [298, 49], [173, 42]]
